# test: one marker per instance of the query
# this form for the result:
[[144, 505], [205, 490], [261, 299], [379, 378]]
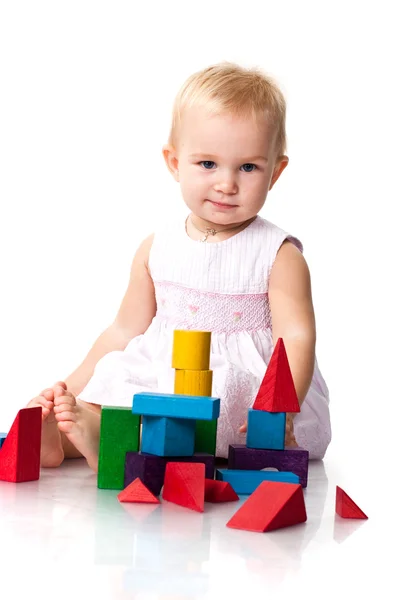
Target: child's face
[[216, 162]]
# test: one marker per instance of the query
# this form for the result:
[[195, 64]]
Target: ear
[[171, 160], [280, 164]]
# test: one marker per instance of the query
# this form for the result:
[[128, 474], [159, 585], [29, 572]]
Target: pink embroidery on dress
[[193, 309], [237, 316]]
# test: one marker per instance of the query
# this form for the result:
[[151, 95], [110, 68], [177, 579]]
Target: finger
[[65, 406], [60, 391], [243, 428], [48, 393]]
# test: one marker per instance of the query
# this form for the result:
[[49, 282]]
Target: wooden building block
[[277, 392], [151, 469], [193, 383], [272, 506], [290, 459], [198, 383], [219, 491], [266, 430], [154, 404], [164, 436], [184, 484], [191, 350], [2, 438], [245, 482], [137, 492], [346, 507], [206, 436], [20, 453], [119, 434]]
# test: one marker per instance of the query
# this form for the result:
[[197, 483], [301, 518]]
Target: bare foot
[[51, 450], [80, 425]]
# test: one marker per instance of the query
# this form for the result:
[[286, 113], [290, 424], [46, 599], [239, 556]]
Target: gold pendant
[[208, 232]]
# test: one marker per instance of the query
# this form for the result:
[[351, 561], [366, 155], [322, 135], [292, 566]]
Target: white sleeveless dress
[[220, 287]]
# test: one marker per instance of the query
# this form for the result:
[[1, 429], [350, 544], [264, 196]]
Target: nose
[[226, 184]]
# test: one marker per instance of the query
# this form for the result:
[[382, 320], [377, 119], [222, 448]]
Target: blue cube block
[[163, 436], [266, 430], [245, 482], [2, 438], [176, 406]]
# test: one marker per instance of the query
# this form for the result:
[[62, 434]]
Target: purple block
[[294, 460], [151, 468]]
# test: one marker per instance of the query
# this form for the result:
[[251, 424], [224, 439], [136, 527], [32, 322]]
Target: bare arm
[[134, 316], [292, 314]]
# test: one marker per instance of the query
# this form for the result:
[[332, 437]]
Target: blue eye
[[205, 162], [250, 165]]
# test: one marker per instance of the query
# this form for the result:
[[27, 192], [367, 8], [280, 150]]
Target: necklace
[[211, 231]]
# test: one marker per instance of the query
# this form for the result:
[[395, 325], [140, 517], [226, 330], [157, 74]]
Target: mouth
[[221, 204]]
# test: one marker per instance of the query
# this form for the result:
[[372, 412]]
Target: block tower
[[265, 443], [175, 427]]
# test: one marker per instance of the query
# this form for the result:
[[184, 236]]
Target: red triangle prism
[[20, 453], [184, 484], [272, 505], [277, 392], [346, 507], [219, 491], [136, 491]]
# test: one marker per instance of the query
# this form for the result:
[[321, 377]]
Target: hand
[[290, 440]]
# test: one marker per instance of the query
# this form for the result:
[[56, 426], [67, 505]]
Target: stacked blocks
[[191, 361], [265, 442], [169, 421], [172, 424], [293, 459]]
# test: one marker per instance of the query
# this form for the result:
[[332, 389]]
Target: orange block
[[346, 507], [184, 484], [277, 392], [136, 491], [20, 453], [272, 505], [219, 491]]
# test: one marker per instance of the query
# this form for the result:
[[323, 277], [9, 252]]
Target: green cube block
[[119, 434], [206, 436]]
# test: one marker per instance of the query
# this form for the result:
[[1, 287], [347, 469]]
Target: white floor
[[62, 537]]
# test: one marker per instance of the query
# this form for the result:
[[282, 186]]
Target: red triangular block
[[184, 484], [20, 453], [136, 491], [277, 392], [272, 505], [219, 491], [346, 507]]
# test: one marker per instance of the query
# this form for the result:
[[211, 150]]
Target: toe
[[66, 414]]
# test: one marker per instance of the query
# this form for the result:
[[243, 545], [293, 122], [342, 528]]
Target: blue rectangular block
[[179, 406], [245, 482], [266, 430], [164, 436], [2, 438]]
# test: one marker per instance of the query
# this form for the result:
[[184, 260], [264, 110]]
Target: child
[[224, 269]]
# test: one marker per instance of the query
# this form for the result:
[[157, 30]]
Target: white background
[[85, 104]]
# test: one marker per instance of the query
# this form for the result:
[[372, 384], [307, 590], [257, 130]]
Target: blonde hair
[[227, 87]]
